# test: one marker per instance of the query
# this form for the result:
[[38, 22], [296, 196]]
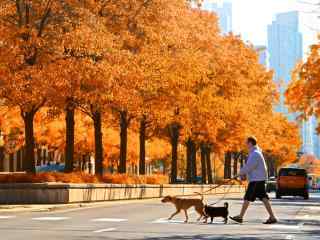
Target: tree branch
[[45, 17], [18, 7]]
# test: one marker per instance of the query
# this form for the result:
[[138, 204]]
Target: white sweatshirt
[[255, 168]]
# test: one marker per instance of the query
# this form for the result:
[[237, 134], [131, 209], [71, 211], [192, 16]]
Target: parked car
[[292, 182], [271, 185], [50, 168]]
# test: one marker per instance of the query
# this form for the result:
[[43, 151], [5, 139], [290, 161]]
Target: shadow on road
[[203, 237]]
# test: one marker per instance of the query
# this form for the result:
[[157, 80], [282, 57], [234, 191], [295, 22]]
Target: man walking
[[256, 171]]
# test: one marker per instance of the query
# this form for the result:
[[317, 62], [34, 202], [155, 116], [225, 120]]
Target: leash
[[223, 197], [219, 185], [225, 193]]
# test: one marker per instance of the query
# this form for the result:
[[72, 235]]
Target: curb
[[52, 208]]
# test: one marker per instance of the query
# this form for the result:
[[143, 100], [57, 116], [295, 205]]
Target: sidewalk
[[57, 207]]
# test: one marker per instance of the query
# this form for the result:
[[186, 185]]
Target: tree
[[302, 94], [29, 32]]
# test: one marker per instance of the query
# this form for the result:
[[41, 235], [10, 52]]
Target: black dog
[[213, 212]]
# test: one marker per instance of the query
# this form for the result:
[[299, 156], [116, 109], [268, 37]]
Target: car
[[50, 168], [271, 185], [292, 182]]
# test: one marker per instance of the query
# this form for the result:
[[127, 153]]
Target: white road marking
[[165, 220], [50, 218], [7, 217], [109, 220], [104, 230], [289, 237], [283, 226]]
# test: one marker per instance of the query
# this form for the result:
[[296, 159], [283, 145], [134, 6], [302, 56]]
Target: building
[[224, 12], [263, 55], [307, 134], [285, 50], [316, 137]]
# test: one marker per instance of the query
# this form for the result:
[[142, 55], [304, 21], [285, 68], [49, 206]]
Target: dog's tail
[[201, 195], [226, 205]]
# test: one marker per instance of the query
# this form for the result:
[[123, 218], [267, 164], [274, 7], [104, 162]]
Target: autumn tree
[[29, 32], [302, 94]]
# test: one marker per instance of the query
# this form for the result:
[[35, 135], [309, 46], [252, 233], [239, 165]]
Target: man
[[256, 171]]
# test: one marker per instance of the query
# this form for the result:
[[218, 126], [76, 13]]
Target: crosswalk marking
[[104, 230], [283, 226], [109, 220], [165, 220], [50, 218], [7, 217]]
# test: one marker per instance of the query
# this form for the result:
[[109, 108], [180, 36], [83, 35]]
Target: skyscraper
[[316, 137], [224, 13], [285, 50], [307, 135]]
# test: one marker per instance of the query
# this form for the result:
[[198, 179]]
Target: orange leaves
[[160, 60], [302, 94], [78, 177]]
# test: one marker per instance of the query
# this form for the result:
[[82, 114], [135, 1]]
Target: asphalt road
[[299, 219]]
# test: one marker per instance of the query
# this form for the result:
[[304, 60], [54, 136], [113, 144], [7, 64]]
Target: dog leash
[[219, 185], [225, 193], [223, 197]]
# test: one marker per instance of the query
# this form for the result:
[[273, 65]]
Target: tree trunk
[[123, 141], [2, 159], [189, 161], [29, 161], [69, 149], [39, 156], [23, 158], [174, 138], [203, 164], [194, 162], [241, 160], [227, 166], [97, 122], [83, 160], [142, 139], [11, 162], [209, 168], [19, 158], [235, 164]]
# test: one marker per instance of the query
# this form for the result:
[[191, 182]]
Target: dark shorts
[[256, 190]]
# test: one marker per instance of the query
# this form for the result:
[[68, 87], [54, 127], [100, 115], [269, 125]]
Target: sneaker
[[237, 219], [271, 221]]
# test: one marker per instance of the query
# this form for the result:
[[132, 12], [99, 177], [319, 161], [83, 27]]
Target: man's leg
[[244, 208], [267, 205], [250, 195], [239, 218]]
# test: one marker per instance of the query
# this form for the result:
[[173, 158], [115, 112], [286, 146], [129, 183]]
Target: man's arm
[[250, 165]]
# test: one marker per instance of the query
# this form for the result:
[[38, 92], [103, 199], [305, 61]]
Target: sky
[[251, 18]]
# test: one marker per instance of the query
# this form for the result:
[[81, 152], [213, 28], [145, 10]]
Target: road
[[299, 219]]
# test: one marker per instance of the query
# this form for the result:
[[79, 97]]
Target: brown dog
[[184, 204]]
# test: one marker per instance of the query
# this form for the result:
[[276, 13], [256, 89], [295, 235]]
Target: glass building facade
[[223, 11], [285, 51], [285, 47]]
